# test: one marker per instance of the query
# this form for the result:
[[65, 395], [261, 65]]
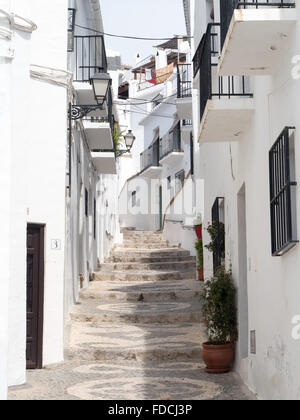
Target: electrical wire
[[132, 37], [149, 114]]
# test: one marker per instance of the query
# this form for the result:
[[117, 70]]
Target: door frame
[[40, 329]]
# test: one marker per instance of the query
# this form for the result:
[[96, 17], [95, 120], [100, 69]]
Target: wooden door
[[35, 296]]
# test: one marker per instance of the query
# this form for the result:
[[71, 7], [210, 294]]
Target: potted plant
[[199, 249], [220, 316], [198, 226], [216, 232]]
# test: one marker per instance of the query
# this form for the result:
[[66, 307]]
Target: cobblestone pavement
[[129, 381], [136, 333]]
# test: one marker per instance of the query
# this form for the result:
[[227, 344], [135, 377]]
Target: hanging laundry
[[150, 76]]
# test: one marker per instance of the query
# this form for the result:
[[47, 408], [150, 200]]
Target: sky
[[142, 18]]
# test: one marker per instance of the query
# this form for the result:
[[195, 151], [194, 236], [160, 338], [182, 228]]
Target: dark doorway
[[35, 296]]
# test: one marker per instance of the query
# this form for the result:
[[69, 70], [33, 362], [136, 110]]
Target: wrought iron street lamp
[[129, 140], [101, 83]]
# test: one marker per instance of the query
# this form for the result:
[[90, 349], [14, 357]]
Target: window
[[282, 193], [86, 202], [217, 233], [71, 29], [133, 199], [179, 180]]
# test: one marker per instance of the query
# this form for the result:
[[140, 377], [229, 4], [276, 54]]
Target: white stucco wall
[[5, 205], [272, 283], [46, 158]]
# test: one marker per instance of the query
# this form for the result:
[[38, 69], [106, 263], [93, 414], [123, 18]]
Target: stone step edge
[[150, 354], [169, 318]]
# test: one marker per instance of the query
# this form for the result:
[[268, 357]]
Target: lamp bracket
[[80, 111]]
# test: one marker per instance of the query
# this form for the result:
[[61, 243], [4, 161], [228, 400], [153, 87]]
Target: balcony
[[170, 148], [105, 162], [150, 167], [254, 35], [226, 103], [88, 58], [98, 132], [184, 91]]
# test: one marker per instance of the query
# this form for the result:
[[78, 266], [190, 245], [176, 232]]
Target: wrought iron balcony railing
[[90, 57], [212, 85], [150, 157], [184, 81], [214, 51], [170, 143], [227, 8]]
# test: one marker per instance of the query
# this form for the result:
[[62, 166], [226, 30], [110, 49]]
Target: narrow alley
[[136, 333]]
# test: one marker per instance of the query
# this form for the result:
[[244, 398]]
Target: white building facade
[[161, 190], [60, 185], [246, 72]]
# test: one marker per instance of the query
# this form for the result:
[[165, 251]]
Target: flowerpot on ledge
[[200, 274], [218, 358], [198, 230]]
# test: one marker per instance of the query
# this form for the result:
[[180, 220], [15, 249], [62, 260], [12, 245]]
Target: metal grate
[[90, 57], [170, 143], [219, 241], [150, 157], [227, 8], [282, 226], [184, 81]]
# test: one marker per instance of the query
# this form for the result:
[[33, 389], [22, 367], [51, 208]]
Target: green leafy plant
[[117, 138], [216, 232], [219, 308], [199, 249]]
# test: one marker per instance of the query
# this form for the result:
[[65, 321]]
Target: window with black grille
[[282, 193]]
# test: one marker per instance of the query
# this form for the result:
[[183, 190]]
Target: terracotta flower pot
[[200, 274], [218, 358], [198, 230]]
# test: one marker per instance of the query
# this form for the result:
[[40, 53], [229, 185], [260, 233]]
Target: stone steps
[[123, 254], [144, 247], [145, 276], [144, 305], [128, 259], [108, 342], [168, 265], [147, 292], [177, 312]]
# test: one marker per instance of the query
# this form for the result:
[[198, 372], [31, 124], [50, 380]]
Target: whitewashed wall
[[5, 205], [273, 283]]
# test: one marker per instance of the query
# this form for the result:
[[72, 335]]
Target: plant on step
[[199, 249], [219, 308], [216, 232]]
